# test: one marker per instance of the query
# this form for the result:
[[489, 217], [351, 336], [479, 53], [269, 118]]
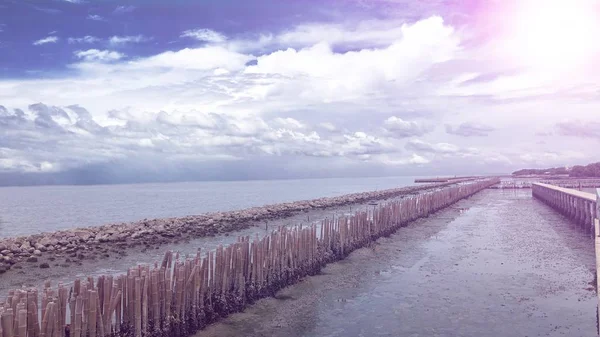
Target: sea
[[36, 209]]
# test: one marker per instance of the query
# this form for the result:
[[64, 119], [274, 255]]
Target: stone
[[44, 266], [32, 259], [37, 252]]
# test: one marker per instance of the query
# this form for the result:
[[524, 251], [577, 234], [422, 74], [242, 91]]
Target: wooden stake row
[[182, 295]]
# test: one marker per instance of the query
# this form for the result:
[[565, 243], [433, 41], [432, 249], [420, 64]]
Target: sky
[[170, 90]]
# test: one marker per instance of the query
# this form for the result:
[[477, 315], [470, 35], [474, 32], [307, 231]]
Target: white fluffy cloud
[[84, 39], [95, 17], [402, 128], [121, 40], [371, 92], [95, 55], [46, 40], [205, 35]]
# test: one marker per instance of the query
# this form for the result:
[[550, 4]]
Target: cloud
[[414, 159], [121, 40], [580, 129], [85, 39], [350, 35], [401, 128], [359, 101], [95, 17], [95, 55], [45, 9], [49, 39], [123, 9], [328, 126], [68, 137], [288, 123], [469, 130], [205, 35], [440, 148]]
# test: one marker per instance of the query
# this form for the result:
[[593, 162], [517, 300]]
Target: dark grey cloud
[[578, 128], [50, 140], [85, 120], [44, 116], [10, 120], [469, 130]]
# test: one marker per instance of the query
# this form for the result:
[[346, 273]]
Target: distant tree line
[[590, 171], [548, 171]]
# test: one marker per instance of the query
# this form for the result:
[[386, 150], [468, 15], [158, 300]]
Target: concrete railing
[[583, 208], [580, 207]]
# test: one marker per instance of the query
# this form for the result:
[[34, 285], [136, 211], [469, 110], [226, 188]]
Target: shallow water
[[498, 264], [66, 271], [30, 210]]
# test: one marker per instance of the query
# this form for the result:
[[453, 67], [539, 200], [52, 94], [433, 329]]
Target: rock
[[4, 269], [32, 259], [37, 252], [44, 266], [48, 242], [2, 247]]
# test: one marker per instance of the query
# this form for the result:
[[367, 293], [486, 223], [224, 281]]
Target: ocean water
[[31, 210]]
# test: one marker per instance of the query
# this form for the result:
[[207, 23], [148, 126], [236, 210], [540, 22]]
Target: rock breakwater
[[92, 242]]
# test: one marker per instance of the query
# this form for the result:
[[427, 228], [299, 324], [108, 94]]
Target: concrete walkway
[[498, 264]]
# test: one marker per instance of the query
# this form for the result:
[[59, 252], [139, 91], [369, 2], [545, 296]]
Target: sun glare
[[555, 34]]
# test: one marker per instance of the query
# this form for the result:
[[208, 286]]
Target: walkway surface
[[498, 264]]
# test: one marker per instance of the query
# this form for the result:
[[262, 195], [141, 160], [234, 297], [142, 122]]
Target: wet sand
[[497, 264]]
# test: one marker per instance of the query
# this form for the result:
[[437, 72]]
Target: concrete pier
[[580, 207]]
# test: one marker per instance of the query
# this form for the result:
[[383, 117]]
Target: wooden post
[[597, 247], [93, 307]]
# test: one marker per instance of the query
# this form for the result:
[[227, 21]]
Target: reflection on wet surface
[[498, 264]]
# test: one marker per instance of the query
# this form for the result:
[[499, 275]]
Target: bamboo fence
[[182, 295]]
